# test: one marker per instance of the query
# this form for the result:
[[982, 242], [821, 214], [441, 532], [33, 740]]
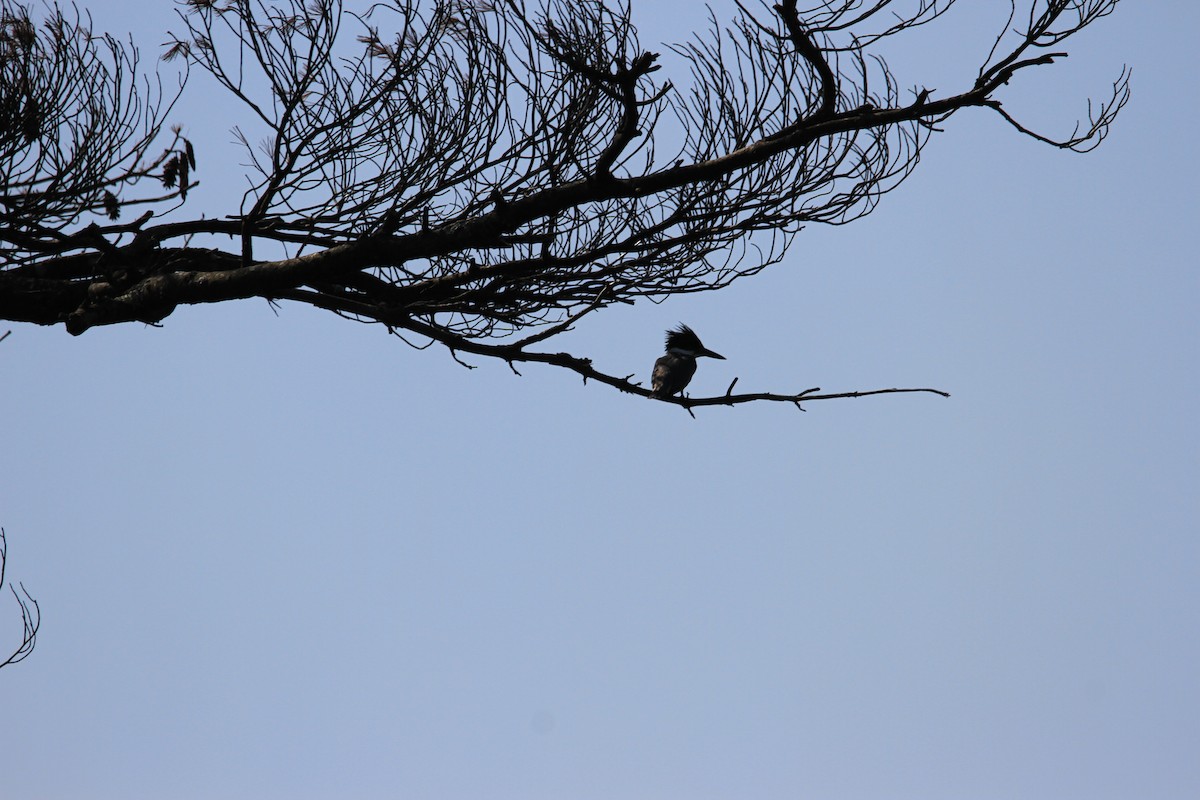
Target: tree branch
[[476, 173], [31, 615]]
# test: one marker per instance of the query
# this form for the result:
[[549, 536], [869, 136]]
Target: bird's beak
[[706, 352]]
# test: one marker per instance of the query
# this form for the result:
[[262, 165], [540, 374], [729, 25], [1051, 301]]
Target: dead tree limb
[[476, 172]]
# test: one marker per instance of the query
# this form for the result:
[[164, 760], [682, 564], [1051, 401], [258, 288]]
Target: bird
[[675, 368]]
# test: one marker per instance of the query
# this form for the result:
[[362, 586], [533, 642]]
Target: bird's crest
[[683, 338]]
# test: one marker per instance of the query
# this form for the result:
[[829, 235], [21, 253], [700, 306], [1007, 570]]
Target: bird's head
[[684, 341]]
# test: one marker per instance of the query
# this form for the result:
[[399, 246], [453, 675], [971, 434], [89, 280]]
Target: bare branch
[[77, 124], [31, 614], [480, 173]]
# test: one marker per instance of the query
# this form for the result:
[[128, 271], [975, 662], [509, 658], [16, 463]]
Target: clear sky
[[289, 557]]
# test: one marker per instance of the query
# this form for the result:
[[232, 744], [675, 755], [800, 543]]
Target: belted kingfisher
[[673, 371]]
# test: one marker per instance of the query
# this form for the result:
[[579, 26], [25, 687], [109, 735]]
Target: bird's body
[[671, 375], [674, 370]]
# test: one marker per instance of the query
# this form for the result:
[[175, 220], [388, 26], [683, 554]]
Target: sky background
[[285, 556]]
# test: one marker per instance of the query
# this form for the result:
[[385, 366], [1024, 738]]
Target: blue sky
[[287, 556]]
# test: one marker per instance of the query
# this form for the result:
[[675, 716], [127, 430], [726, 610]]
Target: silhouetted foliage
[[478, 173]]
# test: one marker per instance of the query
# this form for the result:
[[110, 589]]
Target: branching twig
[[584, 367], [31, 614]]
